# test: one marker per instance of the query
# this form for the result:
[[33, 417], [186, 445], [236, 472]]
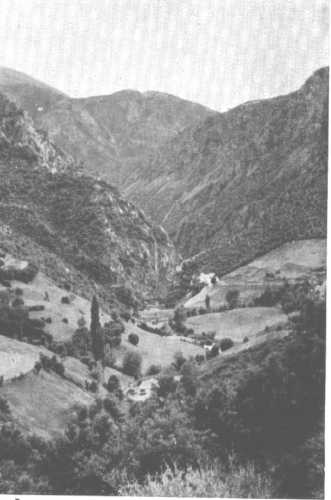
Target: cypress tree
[[96, 331]]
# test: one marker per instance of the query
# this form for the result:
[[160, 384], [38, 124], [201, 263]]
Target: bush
[[179, 360], [133, 339], [226, 344], [245, 339], [213, 481], [213, 352], [113, 383], [132, 364], [65, 300], [232, 297], [36, 308], [153, 370], [167, 385], [111, 407], [125, 315], [65, 320], [92, 386], [199, 358]]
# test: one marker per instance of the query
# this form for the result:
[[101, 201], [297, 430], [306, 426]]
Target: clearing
[[34, 294], [154, 349], [18, 358], [237, 323], [294, 261], [43, 404]]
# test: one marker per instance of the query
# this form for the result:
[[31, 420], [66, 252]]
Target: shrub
[[65, 320], [245, 339], [132, 364], [111, 407], [199, 358], [18, 292], [65, 300], [133, 339], [113, 383], [213, 352], [153, 370], [226, 344], [232, 297], [18, 302], [37, 308], [93, 386], [179, 360], [167, 385], [179, 319], [214, 280], [211, 481], [125, 315]]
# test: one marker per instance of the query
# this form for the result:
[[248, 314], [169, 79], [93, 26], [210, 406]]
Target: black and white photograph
[[163, 248]]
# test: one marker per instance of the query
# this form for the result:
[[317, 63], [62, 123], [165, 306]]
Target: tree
[[132, 364], [207, 302], [214, 280], [232, 297], [96, 331], [167, 384], [133, 339], [179, 360], [113, 383], [226, 344], [179, 319]]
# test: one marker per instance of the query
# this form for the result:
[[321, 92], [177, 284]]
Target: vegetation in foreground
[[265, 407]]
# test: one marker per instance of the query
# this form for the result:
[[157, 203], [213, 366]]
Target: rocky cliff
[[83, 221]]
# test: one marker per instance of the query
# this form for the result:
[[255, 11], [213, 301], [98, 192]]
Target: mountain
[[59, 218], [110, 135], [240, 183], [28, 93], [226, 186]]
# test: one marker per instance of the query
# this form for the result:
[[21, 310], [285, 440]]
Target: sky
[[219, 53]]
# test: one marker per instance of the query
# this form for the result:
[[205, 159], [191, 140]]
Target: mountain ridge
[[84, 221]]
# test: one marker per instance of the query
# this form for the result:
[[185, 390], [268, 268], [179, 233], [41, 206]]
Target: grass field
[[34, 294], [238, 323], [293, 260], [18, 357], [43, 404], [155, 349]]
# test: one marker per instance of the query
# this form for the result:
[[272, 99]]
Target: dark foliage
[[133, 338]]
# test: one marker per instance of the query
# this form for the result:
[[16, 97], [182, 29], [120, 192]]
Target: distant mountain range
[[226, 186]]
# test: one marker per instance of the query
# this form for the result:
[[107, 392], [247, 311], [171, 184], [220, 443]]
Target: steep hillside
[[111, 135], [243, 182], [28, 93], [82, 221]]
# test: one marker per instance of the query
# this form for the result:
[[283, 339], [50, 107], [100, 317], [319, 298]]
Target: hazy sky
[[216, 52]]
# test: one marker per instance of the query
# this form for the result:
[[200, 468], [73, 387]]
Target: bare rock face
[[82, 220]]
